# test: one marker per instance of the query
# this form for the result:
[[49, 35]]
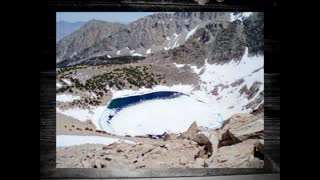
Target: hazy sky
[[122, 17]]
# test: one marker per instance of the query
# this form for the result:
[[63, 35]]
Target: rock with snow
[[237, 82], [71, 140], [66, 98], [254, 89]]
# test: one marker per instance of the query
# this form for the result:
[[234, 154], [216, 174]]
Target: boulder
[[241, 127], [202, 138], [202, 154], [166, 137], [87, 162], [239, 155], [102, 163], [209, 139], [193, 129]]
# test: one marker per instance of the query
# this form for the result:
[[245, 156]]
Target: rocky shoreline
[[237, 144]]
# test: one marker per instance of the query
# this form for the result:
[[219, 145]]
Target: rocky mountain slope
[[64, 28], [220, 61], [142, 37], [237, 144], [218, 42], [86, 36]]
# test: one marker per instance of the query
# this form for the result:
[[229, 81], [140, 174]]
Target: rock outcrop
[[237, 144], [239, 155], [241, 127]]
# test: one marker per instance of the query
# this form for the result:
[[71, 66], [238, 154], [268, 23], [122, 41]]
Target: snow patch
[[93, 114], [67, 81], [246, 14], [191, 32], [163, 115], [239, 16], [196, 69], [175, 36], [179, 65], [136, 54], [128, 92], [226, 74], [176, 44], [66, 98], [93, 95], [74, 54], [72, 140], [59, 85]]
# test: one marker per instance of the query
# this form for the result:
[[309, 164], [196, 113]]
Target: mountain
[[147, 35], [91, 32], [218, 42], [64, 28]]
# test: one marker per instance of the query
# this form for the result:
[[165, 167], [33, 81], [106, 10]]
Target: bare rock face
[[192, 130], [183, 161], [166, 137], [83, 38], [229, 44], [241, 127], [254, 89], [210, 141], [237, 144], [236, 156], [96, 160], [237, 82], [199, 163], [119, 164], [215, 91], [87, 163]]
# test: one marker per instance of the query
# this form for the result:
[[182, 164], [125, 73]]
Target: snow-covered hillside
[[219, 90]]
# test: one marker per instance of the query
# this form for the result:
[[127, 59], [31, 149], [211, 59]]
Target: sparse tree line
[[118, 78]]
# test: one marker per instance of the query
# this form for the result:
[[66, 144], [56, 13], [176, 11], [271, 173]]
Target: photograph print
[[159, 90]]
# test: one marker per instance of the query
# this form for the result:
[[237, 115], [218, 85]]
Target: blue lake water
[[185, 111], [120, 103]]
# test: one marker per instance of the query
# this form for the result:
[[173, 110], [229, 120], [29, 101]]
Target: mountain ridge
[[144, 36]]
